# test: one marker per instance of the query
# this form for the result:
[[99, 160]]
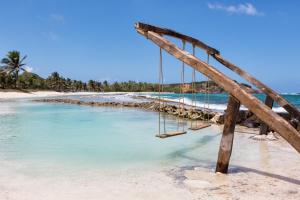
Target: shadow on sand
[[233, 169]]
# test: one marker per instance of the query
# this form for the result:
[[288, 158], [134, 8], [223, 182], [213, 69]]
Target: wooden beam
[[294, 112], [226, 144], [263, 112], [264, 129], [169, 32]]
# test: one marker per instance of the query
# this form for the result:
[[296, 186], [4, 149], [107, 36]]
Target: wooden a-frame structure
[[237, 95]]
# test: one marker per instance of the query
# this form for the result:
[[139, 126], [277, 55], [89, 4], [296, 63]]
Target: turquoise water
[[83, 136], [219, 101], [98, 137]]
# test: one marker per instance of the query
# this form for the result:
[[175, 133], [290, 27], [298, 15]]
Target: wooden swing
[[196, 124], [237, 94], [162, 103]]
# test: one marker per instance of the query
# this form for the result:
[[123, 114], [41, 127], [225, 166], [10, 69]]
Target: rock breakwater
[[245, 117]]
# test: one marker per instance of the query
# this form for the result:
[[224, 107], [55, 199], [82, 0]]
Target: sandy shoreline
[[258, 170], [39, 94]]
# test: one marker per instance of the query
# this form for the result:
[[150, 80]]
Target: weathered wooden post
[[264, 129], [228, 134]]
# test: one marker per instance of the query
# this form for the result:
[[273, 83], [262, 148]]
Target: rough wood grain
[[164, 31], [170, 134], [294, 112], [264, 129], [199, 126], [228, 135], [263, 112]]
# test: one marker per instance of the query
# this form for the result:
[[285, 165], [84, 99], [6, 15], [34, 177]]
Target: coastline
[[254, 168], [9, 94], [140, 100], [245, 118], [41, 94]]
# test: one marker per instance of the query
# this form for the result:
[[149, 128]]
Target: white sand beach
[[259, 170], [37, 94]]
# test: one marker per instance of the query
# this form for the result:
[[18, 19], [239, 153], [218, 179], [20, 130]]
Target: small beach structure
[[237, 94], [180, 125]]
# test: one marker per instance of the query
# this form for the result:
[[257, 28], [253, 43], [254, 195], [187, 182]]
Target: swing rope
[[194, 83], [207, 92], [160, 90], [194, 123], [193, 89], [181, 103], [162, 102]]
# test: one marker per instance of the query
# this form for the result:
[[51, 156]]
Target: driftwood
[[228, 134], [268, 91], [164, 31], [263, 112], [264, 129]]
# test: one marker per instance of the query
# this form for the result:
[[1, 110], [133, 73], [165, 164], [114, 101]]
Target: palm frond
[[23, 69], [5, 61], [23, 59]]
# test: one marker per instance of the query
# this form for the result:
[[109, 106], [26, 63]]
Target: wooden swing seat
[[199, 126], [170, 134]]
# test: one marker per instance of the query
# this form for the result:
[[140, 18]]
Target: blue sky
[[96, 39]]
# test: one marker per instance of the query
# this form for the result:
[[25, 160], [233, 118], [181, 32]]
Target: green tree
[[56, 82], [116, 87], [91, 85], [99, 87], [2, 80], [13, 64], [106, 86]]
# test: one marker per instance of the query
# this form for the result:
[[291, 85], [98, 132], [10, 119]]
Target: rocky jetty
[[245, 117], [188, 113]]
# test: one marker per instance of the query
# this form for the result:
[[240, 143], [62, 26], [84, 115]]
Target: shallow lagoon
[[88, 137], [60, 151]]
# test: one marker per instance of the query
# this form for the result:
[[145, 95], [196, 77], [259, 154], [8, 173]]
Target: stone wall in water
[[245, 117]]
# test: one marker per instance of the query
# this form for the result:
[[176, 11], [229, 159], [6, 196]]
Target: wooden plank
[[228, 134], [264, 129], [170, 134], [199, 126], [169, 32], [263, 112], [294, 112]]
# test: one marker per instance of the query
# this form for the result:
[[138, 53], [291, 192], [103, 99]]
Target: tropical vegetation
[[13, 75], [12, 64]]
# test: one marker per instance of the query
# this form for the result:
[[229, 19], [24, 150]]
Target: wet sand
[[258, 170]]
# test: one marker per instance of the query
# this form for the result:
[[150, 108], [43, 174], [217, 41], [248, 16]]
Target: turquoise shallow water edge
[[79, 137], [219, 101], [88, 137]]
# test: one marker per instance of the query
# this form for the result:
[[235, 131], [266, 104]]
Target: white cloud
[[29, 69], [57, 17], [244, 8]]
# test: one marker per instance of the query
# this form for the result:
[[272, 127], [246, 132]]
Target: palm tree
[[13, 64], [55, 81]]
